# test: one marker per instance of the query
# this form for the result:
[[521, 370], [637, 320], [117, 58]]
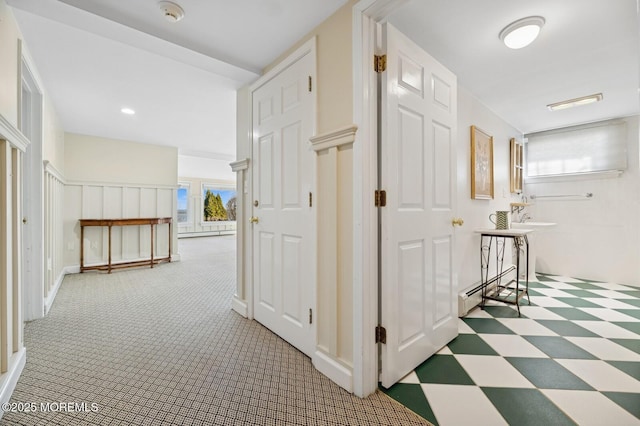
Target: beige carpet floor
[[162, 346]]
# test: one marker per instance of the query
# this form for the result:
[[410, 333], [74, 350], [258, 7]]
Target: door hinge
[[310, 316], [310, 84], [380, 198], [380, 63], [381, 335], [310, 199]]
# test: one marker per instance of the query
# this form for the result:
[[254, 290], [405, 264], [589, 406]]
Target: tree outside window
[[219, 204]]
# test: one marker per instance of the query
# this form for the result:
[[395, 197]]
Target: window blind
[[588, 148]]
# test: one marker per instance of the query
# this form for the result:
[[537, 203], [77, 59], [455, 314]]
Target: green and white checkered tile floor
[[573, 357]]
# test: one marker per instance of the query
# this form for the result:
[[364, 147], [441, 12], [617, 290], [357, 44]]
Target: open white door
[[417, 160], [283, 221]]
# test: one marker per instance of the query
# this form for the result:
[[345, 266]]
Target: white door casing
[[417, 158], [283, 169]]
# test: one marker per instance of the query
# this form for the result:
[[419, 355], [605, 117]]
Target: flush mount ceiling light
[[127, 111], [172, 12], [522, 32], [585, 100]]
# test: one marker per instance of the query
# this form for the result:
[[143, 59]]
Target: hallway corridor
[[162, 346]]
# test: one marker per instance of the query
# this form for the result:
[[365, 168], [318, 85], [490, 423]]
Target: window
[[183, 203], [218, 204], [588, 148]]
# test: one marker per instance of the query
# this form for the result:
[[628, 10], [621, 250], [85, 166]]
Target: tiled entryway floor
[[572, 358]]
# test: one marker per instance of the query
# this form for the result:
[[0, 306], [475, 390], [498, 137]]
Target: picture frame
[[481, 164]]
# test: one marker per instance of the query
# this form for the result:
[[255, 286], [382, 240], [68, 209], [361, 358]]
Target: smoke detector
[[171, 11]]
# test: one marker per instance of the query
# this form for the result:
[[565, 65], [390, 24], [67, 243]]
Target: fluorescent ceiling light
[[522, 32], [127, 111], [585, 100]]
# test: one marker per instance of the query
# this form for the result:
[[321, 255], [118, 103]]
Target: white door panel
[[417, 152], [283, 173]]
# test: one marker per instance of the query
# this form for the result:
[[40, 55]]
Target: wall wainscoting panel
[[53, 233], [117, 201], [334, 162]]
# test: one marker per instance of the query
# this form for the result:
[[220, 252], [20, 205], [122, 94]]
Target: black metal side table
[[512, 291]]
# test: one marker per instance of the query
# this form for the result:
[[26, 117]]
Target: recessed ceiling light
[[172, 12], [584, 100], [127, 111], [522, 32]]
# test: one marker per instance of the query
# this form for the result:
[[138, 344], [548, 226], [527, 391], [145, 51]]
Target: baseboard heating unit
[[471, 298]]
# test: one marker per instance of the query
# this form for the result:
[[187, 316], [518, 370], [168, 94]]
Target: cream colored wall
[[94, 159], [475, 213], [108, 178], [9, 36], [334, 61], [334, 256], [53, 137]]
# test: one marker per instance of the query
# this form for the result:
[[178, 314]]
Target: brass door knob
[[254, 219], [457, 221]]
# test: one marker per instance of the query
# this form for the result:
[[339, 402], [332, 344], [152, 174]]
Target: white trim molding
[[366, 16], [342, 136], [49, 168], [240, 165], [333, 369], [10, 378], [11, 134], [240, 306]]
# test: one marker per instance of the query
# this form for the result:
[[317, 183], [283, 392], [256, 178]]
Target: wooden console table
[[124, 222]]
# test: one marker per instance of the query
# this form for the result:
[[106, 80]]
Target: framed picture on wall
[[218, 204], [481, 165]]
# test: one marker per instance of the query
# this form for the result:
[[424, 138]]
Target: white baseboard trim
[[10, 378], [206, 233], [240, 306], [48, 301], [336, 371]]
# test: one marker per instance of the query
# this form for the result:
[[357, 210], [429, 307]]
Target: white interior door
[[417, 158], [284, 225]]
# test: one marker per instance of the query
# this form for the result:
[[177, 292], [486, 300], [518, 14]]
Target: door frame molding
[[309, 47], [367, 14], [33, 284]]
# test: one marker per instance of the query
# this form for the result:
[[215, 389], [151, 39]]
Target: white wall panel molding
[[239, 301], [333, 369], [50, 169], [12, 135], [239, 165], [53, 233], [342, 136], [118, 184], [9, 380], [91, 200], [335, 212]]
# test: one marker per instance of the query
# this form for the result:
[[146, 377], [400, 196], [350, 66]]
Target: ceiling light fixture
[[522, 32], [127, 111], [172, 12], [584, 100]]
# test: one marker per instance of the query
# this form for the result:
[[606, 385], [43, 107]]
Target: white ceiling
[[585, 47], [96, 56]]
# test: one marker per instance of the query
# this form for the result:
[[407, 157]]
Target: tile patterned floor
[[572, 358]]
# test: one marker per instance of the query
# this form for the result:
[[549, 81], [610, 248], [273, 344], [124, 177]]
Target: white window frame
[[214, 186], [189, 221]]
